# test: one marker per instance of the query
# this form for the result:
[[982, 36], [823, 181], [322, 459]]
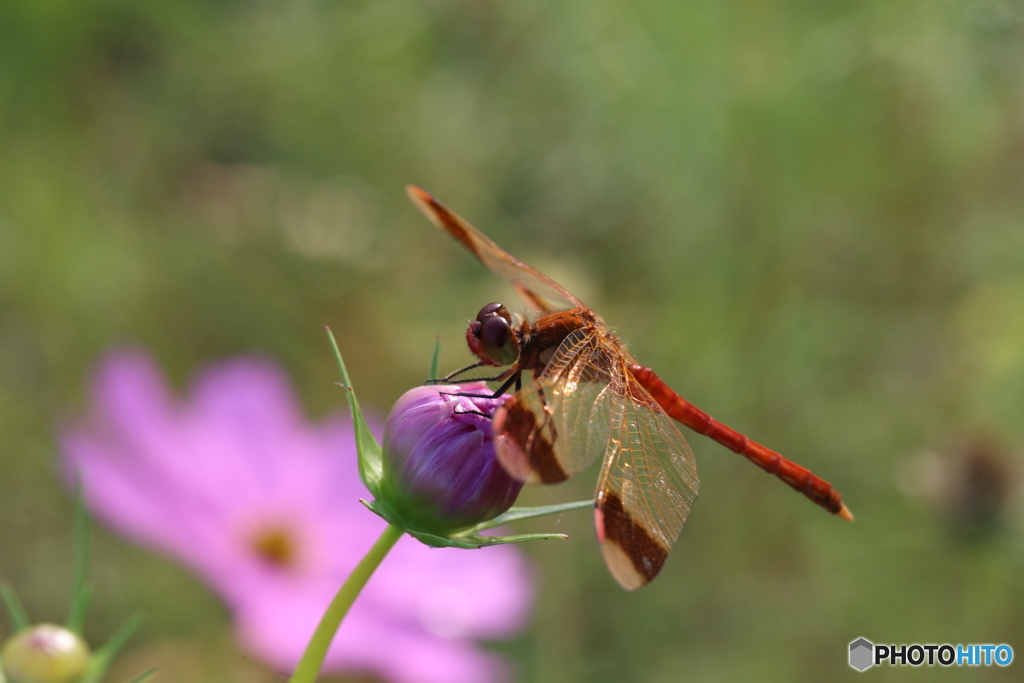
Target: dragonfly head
[[491, 336]]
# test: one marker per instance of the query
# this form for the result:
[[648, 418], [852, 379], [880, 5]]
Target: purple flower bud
[[440, 469], [44, 654]]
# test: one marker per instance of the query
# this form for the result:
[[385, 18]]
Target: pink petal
[[198, 480], [367, 643]]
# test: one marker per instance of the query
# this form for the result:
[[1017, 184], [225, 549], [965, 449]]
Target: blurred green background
[[808, 217]]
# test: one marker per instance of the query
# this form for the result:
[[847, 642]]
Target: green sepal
[[384, 511], [370, 463], [516, 514], [435, 541], [478, 541], [472, 541], [469, 538]]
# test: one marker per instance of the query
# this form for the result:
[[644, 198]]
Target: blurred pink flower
[[234, 483]]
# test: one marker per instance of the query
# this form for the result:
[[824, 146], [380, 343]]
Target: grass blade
[[81, 592], [142, 677], [105, 655], [15, 611], [435, 359]]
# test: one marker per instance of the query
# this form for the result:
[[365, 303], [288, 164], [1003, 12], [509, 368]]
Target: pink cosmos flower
[[234, 483]]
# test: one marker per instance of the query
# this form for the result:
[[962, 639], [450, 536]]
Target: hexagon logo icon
[[862, 653]]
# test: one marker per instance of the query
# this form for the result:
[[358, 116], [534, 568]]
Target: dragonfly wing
[[541, 293], [557, 425], [647, 486]]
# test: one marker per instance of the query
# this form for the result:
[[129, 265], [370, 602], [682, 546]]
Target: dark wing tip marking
[[441, 216], [417, 193], [618, 532], [539, 291], [526, 452]]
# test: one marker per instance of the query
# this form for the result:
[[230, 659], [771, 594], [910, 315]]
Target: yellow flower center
[[276, 546]]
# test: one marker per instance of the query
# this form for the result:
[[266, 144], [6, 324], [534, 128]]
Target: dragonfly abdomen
[[684, 412]]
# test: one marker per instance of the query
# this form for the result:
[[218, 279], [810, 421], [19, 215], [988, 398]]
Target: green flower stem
[[313, 658]]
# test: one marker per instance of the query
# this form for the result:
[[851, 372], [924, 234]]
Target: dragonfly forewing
[[547, 431], [542, 294]]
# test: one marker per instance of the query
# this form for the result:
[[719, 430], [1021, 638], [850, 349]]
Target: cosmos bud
[[440, 471], [44, 654]]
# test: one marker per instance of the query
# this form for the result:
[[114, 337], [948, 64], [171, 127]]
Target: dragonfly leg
[[450, 377], [472, 412], [514, 379]]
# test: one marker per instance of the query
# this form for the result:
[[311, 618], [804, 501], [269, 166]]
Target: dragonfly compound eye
[[495, 332], [491, 336], [491, 310]]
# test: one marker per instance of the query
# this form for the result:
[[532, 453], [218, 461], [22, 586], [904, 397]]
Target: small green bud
[[44, 654]]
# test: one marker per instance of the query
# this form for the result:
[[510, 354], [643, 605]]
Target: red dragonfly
[[588, 398]]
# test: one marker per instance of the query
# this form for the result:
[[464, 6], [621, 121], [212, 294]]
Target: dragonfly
[[587, 397]]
